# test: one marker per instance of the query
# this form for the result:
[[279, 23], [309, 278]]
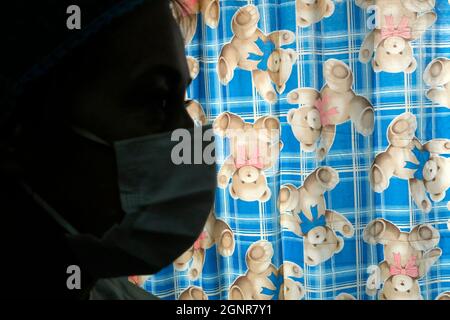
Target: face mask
[[166, 205]]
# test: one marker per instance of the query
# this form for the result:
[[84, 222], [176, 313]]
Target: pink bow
[[254, 161], [402, 30], [197, 244], [325, 115], [409, 270]]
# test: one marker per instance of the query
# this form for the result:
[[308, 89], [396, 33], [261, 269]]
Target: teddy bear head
[[312, 11], [249, 184], [436, 173], [306, 126], [279, 67], [393, 55], [400, 287], [320, 244]]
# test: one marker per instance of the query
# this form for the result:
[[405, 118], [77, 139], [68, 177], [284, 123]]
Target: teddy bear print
[[344, 296], [426, 167], [445, 296], [303, 212], [185, 13], [309, 12], [408, 256], [437, 76], [252, 50], [193, 293], [217, 232], [398, 22], [253, 149], [314, 122], [196, 112], [263, 281]]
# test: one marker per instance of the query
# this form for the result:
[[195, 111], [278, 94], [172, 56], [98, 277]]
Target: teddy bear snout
[[317, 235], [394, 45], [402, 283], [248, 174], [313, 119], [430, 170]]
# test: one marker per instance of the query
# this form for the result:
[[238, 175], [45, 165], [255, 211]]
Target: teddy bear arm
[[182, 262], [291, 222], [362, 115], [339, 223], [438, 146], [428, 260], [226, 172], [196, 112], [303, 97], [281, 38], [419, 195], [288, 198], [264, 86], [326, 141], [368, 47]]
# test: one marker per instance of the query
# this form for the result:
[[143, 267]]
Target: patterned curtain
[[332, 145]]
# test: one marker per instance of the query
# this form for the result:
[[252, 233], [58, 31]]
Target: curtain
[[332, 143]]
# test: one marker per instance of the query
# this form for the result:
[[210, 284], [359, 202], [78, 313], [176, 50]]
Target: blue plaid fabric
[[339, 36]]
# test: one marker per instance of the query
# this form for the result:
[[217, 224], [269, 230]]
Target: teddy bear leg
[[281, 38], [365, 3], [196, 112], [245, 22], [445, 295], [419, 195], [339, 223], [241, 289], [211, 12], [402, 130], [259, 256], [338, 75], [193, 66], [424, 237], [228, 124], [228, 61], [437, 73], [193, 293], [290, 222], [196, 268], [419, 6], [263, 84], [224, 238], [326, 177], [422, 24], [380, 231], [381, 172], [362, 115], [439, 97]]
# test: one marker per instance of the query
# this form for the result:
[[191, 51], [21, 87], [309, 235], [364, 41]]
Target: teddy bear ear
[[412, 66], [436, 197], [290, 115], [376, 65], [266, 195], [330, 9], [292, 55]]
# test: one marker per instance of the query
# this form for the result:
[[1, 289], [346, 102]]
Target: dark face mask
[[166, 205]]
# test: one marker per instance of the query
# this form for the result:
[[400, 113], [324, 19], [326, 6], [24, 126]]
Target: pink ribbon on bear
[[402, 30], [325, 114], [197, 244], [409, 270], [254, 161]]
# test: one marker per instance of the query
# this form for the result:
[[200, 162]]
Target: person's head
[[126, 80]]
